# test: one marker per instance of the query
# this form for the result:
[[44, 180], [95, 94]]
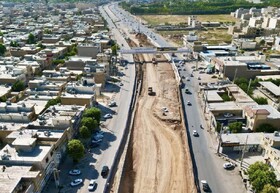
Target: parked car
[[98, 137], [76, 182], [164, 109], [121, 84], [112, 104], [105, 171], [228, 115], [74, 172], [96, 141], [189, 103], [94, 144], [108, 116], [228, 165], [205, 186], [195, 133], [188, 79], [198, 78], [92, 185]]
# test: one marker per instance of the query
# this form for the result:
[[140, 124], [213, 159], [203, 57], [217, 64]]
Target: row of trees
[[244, 84], [262, 178], [180, 7], [89, 124], [236, 127]]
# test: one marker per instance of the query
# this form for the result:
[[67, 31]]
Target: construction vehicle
[[154, 61], [150, 91]]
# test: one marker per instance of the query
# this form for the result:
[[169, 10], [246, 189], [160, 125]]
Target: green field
[[177, 19]]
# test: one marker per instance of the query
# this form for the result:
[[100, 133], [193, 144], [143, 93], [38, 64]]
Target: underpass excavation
[[158, 158]]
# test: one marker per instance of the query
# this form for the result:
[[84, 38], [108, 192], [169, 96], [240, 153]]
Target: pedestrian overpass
[[157, 50]]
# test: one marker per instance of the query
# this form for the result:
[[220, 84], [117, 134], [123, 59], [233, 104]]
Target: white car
[[195, 133], [228, 165], [92, 185], [121, 84], [165, 109], [188, 79], [189, 103], [74, 172], [76, 182], [108, 116]]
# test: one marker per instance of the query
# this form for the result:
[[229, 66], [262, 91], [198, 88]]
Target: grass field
[[212, 37], [176, 19]]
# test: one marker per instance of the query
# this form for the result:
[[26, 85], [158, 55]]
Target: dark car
[[94, 144], [105, 171], [205, 186]]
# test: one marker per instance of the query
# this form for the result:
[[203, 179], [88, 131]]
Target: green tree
[[266, 127], [53, 102], [93, 113], [261, 100], [268, 188], [14, 44], [31, 39], [85, 133], [75, 149], [18, 86], [2, 50], [218, 127], [260, 174], [225, 97], [114, 49], [40, 45], [59, 61], [1, 33], [90, 123], [235, 127]]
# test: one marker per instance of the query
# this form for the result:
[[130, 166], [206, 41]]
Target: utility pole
[[220, 138], [243, 152], [249, 85], [206, 99], [235, 73]]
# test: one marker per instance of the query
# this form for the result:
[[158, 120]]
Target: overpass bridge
[[158, 50]]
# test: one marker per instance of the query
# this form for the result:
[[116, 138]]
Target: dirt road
[[158, 158]]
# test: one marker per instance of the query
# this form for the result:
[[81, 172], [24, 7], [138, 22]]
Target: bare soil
[[158, 159]]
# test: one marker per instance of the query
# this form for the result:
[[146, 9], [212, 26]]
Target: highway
[[207, 166]]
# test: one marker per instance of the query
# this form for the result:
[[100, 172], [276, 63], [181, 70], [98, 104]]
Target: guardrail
[[123, 139], [184, 121]]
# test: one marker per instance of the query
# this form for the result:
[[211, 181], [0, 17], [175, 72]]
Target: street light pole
[[243, 152], [220, 139], [56, 176]]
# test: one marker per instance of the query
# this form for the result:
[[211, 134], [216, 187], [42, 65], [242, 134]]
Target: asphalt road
[[92, 165], [207, 166]]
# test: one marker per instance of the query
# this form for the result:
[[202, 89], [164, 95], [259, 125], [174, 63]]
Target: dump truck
[[150, 91]]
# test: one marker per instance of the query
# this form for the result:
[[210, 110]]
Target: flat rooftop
[[225, 106], [213, 96], [271, 87], [36, 155], [268, 77], [240, 138], [12, 176]]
